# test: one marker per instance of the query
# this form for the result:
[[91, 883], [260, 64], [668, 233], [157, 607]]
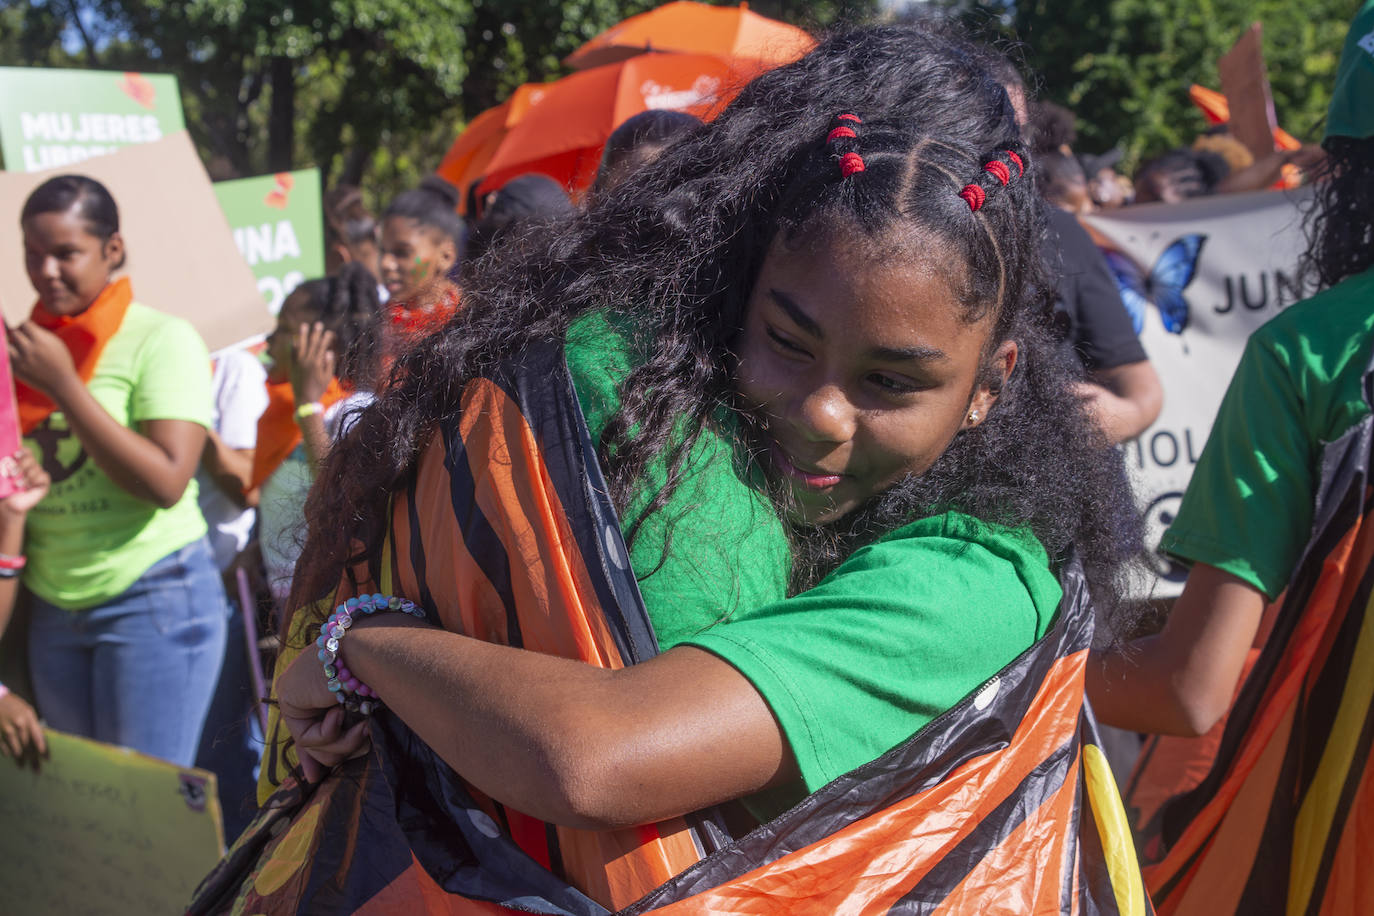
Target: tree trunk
[[281, 119]]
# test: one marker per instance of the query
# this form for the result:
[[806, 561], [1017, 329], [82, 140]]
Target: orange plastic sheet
[[1004, 804]]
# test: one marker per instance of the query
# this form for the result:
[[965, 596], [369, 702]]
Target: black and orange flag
[[1283, 820], [1004, 804]]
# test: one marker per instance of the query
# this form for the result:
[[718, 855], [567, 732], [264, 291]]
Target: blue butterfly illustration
[[1164, 287]]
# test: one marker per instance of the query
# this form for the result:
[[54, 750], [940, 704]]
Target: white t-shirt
[[238, 397], [281, 508]]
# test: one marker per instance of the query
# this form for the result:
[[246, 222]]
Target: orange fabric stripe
[[84, 335], [986, 888], [900, 844]]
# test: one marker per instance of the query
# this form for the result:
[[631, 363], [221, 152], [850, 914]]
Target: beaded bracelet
[[351, 692]]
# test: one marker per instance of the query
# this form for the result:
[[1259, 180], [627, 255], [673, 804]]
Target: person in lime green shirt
[[129, 614]]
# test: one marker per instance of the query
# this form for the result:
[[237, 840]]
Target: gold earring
[[973, 416]]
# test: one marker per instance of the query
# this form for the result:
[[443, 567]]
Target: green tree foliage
[[1124, 66], [370, 91]]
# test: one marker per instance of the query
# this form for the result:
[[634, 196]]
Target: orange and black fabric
[[1284, 820], [1002, 804]]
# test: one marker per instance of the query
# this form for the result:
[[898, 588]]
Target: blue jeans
[[140, 670]]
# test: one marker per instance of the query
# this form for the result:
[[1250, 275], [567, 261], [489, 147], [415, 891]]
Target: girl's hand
[[34, 482], [316, 720], [39, 358], [312, 364], [21, 735]]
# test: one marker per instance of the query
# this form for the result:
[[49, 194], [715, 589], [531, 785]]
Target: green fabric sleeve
[[899, 633], [173, 372], [717, 547]]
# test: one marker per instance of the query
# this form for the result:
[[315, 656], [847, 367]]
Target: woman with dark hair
[[114, 398], [1271, 524], [639, 141], [808, 337]]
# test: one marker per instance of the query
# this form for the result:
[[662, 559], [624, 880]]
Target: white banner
[[1198, 278]]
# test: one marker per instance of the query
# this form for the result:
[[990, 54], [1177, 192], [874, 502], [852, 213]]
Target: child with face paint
[[421, 249], [129, 614]]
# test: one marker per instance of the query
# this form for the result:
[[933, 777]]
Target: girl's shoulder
[[600, 348]]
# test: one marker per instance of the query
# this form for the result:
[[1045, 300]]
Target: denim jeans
[[138, 671]]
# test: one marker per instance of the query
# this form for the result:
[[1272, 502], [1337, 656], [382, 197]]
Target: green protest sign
[[278, 227], [54, 118]]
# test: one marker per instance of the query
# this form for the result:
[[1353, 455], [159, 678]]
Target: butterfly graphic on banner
[[1164, 285]]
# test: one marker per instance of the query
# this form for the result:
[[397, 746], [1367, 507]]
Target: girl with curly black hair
[[810, 342]]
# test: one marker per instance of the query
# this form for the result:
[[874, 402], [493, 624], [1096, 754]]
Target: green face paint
[[420, 270]]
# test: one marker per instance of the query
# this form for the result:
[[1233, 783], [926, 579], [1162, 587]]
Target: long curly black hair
[[1340, 222], [679, 245]]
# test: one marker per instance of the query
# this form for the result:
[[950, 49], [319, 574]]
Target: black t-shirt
[[1091, 316]]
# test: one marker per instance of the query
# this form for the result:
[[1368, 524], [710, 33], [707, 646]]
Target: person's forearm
[[134, 462], [571, 743], [230, 469], [499, 716], [11, 544], [1119, 419], [316, 439], [1182, 681]]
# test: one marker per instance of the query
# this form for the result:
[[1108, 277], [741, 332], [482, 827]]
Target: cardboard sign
[[278, 225], [104, 830], [181, 253], [10, 477], [1245, 81], [53, 119], [1198, 277]]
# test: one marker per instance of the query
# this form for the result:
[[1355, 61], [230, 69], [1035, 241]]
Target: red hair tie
[[1020, 166], [974, 196], [840, 132], [851, 163], [850, 117], [999, 168]]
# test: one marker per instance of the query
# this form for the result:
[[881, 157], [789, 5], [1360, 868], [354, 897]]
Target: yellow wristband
[[309, 410]]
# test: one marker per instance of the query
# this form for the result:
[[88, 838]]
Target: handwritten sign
[[104, 830], [278, 225]]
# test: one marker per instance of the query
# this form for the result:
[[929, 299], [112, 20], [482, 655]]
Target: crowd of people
[[845, 366]]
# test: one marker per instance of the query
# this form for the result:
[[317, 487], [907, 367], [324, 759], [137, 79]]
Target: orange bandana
[[85, 336], [424, 317], [278, 433]]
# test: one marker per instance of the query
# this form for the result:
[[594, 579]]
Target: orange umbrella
[[563, 134], [466, 160], [695, 28], [1217, 110]]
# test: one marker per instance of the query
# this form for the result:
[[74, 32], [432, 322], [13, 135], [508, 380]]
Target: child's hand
[[21, 735], [34, 480], [312, 364], [39, 358]]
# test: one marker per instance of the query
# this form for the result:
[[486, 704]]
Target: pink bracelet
[[351, 692]]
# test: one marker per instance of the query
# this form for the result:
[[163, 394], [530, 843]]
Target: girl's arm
[[1181, 681], [563, 741], [312, 369], [154, 463], [230, 469], [19, 726]]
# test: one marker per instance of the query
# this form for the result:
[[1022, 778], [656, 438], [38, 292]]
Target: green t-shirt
[[727, 550], [89, 540], [900, 632], [1248, 509]]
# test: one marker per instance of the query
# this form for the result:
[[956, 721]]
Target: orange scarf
[[278, 432], [85, 336], [424, 317]]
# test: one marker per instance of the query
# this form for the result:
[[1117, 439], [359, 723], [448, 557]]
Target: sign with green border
[[51, 119], [278, 225]]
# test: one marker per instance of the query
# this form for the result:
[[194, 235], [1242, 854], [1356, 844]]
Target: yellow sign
[[104, 830]]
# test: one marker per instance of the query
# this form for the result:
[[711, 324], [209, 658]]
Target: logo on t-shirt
[[60, 452]]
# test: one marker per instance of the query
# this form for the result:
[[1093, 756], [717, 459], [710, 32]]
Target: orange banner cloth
[[85, 336], [278, 433]]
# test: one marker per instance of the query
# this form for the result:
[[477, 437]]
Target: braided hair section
[[1004, 166], [843, 140]]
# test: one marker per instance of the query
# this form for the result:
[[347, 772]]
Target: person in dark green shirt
[[823, 315]]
